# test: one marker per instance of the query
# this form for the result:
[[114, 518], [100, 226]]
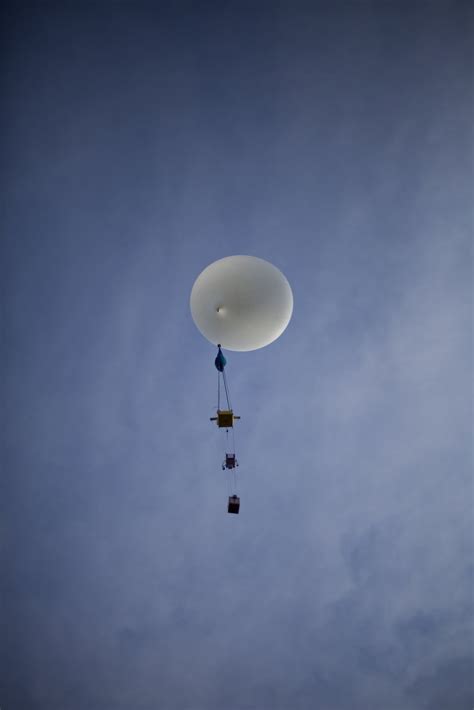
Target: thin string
[[226, 389]]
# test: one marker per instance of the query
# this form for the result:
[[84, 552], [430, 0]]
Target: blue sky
[[141, 143]]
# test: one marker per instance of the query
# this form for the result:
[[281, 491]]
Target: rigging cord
[[230, 447], [234, 471], [218, 390], [226, 389]]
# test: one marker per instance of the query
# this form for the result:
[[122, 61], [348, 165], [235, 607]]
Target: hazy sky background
[[140, 143]]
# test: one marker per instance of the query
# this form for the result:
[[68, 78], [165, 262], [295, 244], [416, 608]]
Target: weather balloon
[[241, 302]]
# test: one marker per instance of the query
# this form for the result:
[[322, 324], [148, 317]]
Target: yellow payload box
[[225, 418]]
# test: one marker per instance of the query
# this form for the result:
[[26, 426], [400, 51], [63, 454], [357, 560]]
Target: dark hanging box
[[230, 461], [234, 504]]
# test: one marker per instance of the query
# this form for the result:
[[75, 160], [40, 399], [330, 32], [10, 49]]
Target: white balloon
[[241, 302]]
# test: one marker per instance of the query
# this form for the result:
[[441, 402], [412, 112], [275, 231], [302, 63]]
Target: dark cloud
[[448, 685]]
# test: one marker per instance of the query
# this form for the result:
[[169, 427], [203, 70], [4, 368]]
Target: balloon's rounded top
[[241, 302]]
